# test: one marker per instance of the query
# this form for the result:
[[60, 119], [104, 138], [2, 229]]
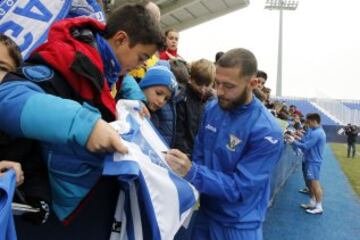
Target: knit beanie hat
[[159, 76]]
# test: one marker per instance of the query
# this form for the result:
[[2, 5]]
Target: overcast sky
[[321, 45]]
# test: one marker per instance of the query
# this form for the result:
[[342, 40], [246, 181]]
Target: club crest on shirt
[[233, 142]]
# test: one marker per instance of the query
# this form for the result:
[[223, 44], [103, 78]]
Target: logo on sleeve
[[233, 142], [211, 128], [271, 139], [38, 73]]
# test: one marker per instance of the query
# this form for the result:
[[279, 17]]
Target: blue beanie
[[159, 76]]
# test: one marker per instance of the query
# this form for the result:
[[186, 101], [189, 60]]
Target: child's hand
[[144, 112], [5, 165], [104, 138]]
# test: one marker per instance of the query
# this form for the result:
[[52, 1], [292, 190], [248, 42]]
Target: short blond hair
[[202, 72]]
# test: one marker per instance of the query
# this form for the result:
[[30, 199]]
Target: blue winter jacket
[[313, 145], [63, 126], [164, 121], [130, 90], [234, 155]]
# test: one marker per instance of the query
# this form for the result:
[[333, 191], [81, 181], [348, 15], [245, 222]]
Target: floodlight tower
[[280, 5]]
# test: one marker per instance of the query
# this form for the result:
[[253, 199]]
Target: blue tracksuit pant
[[207, 229]]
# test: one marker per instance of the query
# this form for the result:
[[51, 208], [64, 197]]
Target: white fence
[[339, 110]]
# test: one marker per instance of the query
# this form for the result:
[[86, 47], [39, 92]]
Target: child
[[10, 54], [172, 40], [79, 61], [159, 86], [190, 108]]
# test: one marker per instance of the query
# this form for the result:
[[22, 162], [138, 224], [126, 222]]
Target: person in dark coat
[[351, 132], [190, 108]]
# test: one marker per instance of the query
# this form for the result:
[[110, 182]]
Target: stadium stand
[[306, 107], [352, 105], [339, 110]]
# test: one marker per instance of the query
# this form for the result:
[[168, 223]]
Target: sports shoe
[[315, 211], [307, 206], [304, 190]]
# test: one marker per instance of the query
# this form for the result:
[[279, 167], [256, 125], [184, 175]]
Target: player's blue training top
[[313, 145], [233, 158]]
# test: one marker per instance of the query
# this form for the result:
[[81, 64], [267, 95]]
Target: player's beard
[[227, 104]]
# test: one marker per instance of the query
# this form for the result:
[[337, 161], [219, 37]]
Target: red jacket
[[165, 55], [78, 62]]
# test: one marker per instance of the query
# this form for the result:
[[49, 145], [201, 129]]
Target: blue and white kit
[[154, 202]]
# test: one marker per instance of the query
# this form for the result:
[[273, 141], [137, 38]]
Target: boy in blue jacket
[[159, 86], [61, 96], [236, 150]]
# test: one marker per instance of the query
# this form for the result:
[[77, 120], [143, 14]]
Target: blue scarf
[[112, 67]]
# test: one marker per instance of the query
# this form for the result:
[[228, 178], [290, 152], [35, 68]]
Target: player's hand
[[104, 138], [178, 161]]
